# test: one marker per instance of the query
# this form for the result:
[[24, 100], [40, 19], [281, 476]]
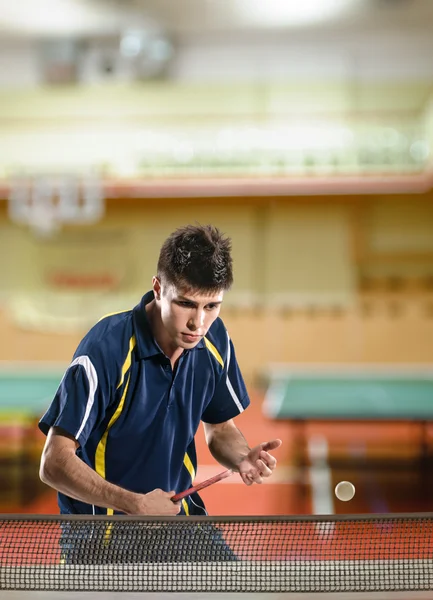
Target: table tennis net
[[203, 554]]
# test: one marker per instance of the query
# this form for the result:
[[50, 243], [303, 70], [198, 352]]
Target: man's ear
[[156, 286]]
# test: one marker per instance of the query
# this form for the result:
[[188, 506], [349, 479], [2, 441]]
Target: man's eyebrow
[[185, 299]]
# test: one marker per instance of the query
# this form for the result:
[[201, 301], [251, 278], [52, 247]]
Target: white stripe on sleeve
[[92, 377], [229, 385]]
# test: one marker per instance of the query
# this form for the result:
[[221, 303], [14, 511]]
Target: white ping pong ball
[[345, 490]]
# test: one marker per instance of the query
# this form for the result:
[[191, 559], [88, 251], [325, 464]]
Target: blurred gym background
[[303, 130]]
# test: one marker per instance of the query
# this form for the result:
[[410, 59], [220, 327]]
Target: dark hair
[[197, 257]]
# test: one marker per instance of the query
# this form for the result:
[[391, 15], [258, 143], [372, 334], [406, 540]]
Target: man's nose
[[196, 320]]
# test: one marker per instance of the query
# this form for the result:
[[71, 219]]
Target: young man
[[120, 430]]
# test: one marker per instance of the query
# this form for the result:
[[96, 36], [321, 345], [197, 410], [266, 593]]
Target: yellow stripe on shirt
[[127, 362], [191, 470], [108, 529], [189, 466], [185, 506], [214, 351], [119, 312], [101, 448]]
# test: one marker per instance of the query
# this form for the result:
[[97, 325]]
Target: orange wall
[[341, 336], [265, 336]]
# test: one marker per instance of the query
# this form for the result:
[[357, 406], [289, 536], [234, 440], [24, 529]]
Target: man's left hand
[[259, 463]]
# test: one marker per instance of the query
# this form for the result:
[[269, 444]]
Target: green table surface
[[28, 392], [350, 396]]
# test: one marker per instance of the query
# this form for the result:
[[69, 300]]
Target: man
[[120, 430]]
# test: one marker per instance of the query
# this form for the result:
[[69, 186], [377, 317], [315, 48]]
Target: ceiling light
[[132, 43], [420, 151], [58, 18], [283, 13]]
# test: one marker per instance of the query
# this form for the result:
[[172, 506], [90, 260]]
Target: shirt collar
[[146, 344]]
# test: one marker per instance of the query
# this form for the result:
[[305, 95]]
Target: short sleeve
[[231, 396], [82, 398]]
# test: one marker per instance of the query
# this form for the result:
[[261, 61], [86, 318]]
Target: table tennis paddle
[[203, 484]]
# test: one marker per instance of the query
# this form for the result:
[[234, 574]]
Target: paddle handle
[[203, 484]]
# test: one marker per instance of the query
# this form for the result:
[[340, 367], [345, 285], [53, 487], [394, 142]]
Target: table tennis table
[[349, 395], [28, 389]]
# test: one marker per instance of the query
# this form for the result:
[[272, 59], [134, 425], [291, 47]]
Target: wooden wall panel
[[308, 255]]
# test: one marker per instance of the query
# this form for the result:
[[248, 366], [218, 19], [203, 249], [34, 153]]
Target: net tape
[[201, 554]]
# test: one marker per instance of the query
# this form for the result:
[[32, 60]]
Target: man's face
[[186, 314]]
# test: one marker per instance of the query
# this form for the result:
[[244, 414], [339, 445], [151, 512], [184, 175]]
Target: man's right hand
[[156, 503]]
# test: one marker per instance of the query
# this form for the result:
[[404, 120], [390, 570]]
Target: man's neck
[[171, 351]]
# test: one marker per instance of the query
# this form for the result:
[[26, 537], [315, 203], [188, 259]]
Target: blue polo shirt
[[135, 419]]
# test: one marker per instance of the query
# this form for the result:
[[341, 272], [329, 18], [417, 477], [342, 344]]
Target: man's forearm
[[227, 445], [69, 475]]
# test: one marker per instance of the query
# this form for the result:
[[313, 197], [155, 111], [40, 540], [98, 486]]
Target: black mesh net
[[185, 554]]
